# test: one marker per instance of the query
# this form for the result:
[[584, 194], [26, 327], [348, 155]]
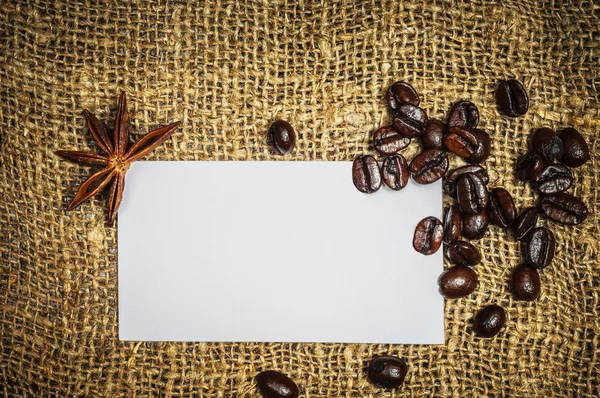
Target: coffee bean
[[452, 223], [401, 93], [282, 137], [563, 208], [482, 152], [501, 208], [538, 247], [463, 253], [576, 151], [388, 141], [450, 180], [525, 283], [434, 134], [547, 143], [410, 121], [475, 225], [429, 166], [395, 172], [273, 384], [489, 321], [463, 114], [387, 371], [366, 174], [471, 193], [553, 179], [511, 98], [428, 237], [525, 222], [529, 166], [458, 281], [461, 142]]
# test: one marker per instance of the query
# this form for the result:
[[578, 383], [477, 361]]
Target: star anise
[[118, 158]]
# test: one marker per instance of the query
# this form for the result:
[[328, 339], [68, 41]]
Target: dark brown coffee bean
[[547, 143], [387, 371], [576, 151], [475, 225], [395, 172], [388, 141], [461, 142], [452, 223], [563, 208], [525, 283], [511, 98], [538, 247], [489, 321], [434, 134], [282, 136], [429, 166], [273, 384], [452, 177], [463, 114], [428, 237], [554, 178], [529, 166], [458, 281], [501, 208], [482, 152], [401, 93], [525, 222], [471, 193], [463, 253], [366, 174], [410, 121]]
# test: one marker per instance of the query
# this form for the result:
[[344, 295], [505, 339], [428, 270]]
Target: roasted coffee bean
[[282, 136], [434, 134], [429, 166], [525, 283], [458, 281], [428, 237], [489, 321], [576, 151], [395, 172], [529, 166], [525, 222], [511, 98], [463, 253], [450, 180], [452, 223], [461, 142], [554, 178], [501, 208], [475, 225], [387, 371], [563, 208], [463, 114], [538, 247], [410, 121], [273, 384], [547, 143], [366, 174], [482, 152], [401, 93], [388, 141], [471, 193]]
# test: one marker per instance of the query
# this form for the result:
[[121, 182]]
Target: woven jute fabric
[[227, 69]]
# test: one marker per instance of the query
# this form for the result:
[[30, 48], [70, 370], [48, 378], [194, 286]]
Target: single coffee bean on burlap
[[461, 141], [449, 183], [475, 225], [576, 151], [387, 371], [410, 121], [458, 281], [273, 384], [525, 283], [428, 236], [471, 193], [525, 222], [282, 137], [395, 172], [366, 174], [387, 141], [489, 321], [554, 178], [538, 247], [463, 114], [434, 134], [482, 152], [453, 220], [529, 166], [463, 253], [429, 166], [511, 98], [547, 143], [501, 208], [401, 93], [563, 208]]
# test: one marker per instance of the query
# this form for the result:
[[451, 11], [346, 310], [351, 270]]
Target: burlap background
[[227, 69]]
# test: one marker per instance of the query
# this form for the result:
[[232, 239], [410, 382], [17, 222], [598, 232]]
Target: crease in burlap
[[227, 69]]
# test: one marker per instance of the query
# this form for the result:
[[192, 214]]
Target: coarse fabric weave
[[227, 69]]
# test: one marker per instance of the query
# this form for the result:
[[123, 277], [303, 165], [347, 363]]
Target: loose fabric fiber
[[227, 69]]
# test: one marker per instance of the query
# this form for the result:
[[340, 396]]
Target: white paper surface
[[274, 252]]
